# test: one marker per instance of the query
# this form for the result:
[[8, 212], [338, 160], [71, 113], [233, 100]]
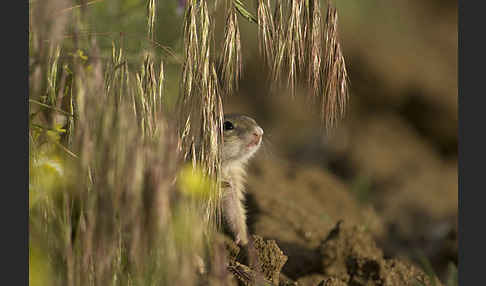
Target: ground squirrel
[[242, 137]]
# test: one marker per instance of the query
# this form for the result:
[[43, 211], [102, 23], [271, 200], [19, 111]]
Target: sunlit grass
[[110, 200]]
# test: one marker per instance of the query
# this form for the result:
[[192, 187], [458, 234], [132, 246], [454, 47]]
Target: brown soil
[[347, 256]]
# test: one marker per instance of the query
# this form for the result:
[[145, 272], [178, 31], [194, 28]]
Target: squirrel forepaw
[[241, 240]]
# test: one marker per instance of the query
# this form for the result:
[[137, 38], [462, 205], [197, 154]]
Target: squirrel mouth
[[254, 143]]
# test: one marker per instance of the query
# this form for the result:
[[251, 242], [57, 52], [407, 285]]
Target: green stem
[[51, 107], [243, 12]]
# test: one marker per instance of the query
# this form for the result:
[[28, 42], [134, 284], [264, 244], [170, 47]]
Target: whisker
[[267, 146]]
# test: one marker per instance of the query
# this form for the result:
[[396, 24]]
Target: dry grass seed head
[[266, 31], [336, 78], [230, 59]]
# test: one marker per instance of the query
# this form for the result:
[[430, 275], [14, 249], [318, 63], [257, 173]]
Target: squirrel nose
[[258, 132]]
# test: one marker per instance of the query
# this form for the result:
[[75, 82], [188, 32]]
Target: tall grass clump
[[121, 190], [105, 207]]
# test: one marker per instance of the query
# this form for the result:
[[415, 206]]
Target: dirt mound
[[347, 256]]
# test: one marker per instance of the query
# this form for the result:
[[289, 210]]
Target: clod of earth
[[348, 255]]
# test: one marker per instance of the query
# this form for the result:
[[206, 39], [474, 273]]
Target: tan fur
[[236, 153]]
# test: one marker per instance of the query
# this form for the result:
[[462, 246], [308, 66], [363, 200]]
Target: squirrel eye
[[227, 125]]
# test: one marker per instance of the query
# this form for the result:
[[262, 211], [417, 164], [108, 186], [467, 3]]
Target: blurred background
[[389, 167], [392, 162]]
